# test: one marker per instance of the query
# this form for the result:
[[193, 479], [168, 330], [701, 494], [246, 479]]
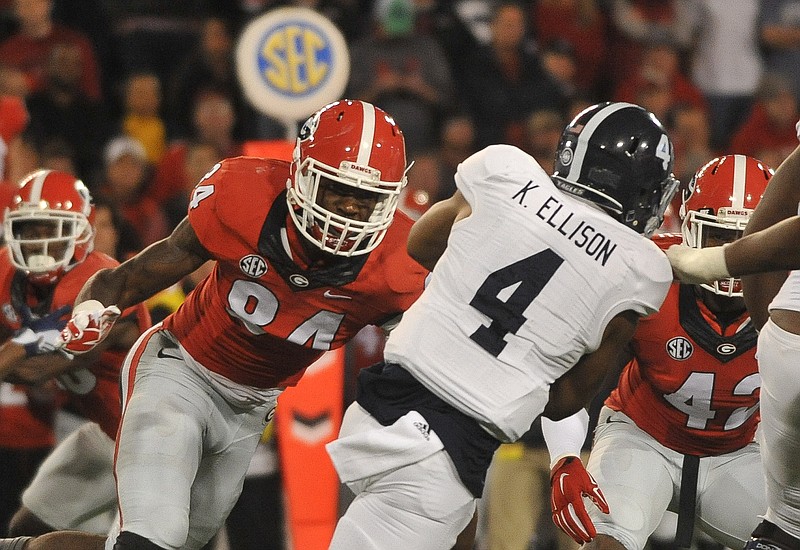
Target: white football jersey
[[526, 287], [788, 297]]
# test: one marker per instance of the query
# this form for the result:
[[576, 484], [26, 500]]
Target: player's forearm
[[568, 395], [105, 286], [159, 266], [773, 249], [10, 356], [36, 370], [781, 197], [428, 237]]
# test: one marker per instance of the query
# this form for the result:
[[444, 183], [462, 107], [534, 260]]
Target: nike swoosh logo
[[610, 421], [329, 294], [162, 355], [561, 481]]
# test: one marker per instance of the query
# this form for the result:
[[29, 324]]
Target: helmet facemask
[[652, 222], [702, 229], [331, 231], [45, 243], [645, 216]]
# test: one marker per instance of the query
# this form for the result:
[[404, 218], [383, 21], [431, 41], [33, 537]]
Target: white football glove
[[40, 336]]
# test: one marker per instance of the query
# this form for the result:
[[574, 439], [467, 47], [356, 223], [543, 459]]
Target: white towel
[[380, 449]]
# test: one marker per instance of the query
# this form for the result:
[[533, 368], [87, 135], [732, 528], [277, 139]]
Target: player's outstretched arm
[[779, 202], [428, 237], [33, 370], [781, 197], [155, 268], [772, 231], [11, 354]]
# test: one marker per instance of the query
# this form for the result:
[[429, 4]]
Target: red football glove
[[90, 323], [569, 483]]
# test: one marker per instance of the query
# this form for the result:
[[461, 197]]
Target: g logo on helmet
[[309, 127]]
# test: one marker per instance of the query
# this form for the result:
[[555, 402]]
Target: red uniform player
[[307, 253], [49, 233], [678, 431]]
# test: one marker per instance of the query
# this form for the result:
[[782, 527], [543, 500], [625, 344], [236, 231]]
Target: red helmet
[[722, 195], [49, 225], [351, 143]]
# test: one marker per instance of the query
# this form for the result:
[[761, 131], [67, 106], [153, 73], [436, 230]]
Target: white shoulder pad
[[655, 278], [495, 169]]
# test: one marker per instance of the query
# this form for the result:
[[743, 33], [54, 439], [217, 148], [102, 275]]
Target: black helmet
[[618, 155]]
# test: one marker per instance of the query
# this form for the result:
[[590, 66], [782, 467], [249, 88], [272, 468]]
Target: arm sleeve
[[565, 437]]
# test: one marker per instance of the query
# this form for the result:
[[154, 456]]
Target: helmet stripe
[[367, 134], [37, 184], [586, 134], [739, 177]]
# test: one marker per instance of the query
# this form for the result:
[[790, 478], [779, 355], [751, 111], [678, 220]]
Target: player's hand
[[39, 336], [90, 323], [698, 265], [569, 483]]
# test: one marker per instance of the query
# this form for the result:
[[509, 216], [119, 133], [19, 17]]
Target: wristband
[[565, 437], [88, 305]]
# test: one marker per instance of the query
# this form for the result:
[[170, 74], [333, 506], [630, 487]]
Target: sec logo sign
[[291, 62], [680, 348]]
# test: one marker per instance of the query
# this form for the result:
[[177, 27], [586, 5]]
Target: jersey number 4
[[522, 282]]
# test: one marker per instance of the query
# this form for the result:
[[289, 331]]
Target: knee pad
[[131, 541], [768, 536]]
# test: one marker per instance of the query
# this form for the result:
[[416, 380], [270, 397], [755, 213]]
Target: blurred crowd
[[139, 98]]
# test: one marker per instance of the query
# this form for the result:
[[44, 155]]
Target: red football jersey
[[261, 317], [92, 392], [693, 384], [23, 424]]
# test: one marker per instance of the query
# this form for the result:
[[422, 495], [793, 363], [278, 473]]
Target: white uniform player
[[778, 350], [534, 290], [545, 246]]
